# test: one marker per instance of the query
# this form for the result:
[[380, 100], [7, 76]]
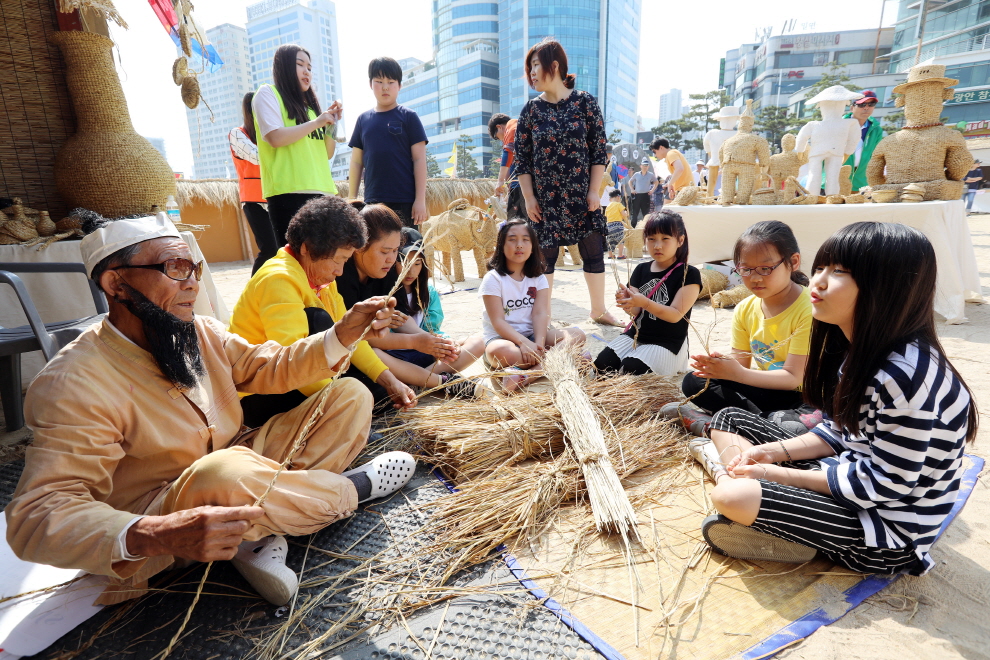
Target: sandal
[[602, 321]]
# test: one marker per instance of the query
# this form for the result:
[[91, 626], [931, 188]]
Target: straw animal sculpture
[[585, 437], [731, 297], [571, 250], [462, 227], [924, 151], [441, 192], [741, 157]]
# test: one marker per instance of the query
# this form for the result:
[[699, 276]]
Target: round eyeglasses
[[177, 268]]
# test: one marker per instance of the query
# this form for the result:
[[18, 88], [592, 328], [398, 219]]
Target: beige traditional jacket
[[111, 432]]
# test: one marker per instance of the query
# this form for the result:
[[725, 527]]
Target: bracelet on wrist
[[787, 453]]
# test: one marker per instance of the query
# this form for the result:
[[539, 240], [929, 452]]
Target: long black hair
[[894, 268], [670, 224], [534, 266], [297, 102], [248, 113], [420, 286], [775, 234]]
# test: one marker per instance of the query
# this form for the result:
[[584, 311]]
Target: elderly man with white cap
[[139, 456]]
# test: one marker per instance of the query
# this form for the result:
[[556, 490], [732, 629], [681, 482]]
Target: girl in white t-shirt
[[516, 320]]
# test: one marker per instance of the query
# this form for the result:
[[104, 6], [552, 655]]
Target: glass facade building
[[223, 90], [602, 40]]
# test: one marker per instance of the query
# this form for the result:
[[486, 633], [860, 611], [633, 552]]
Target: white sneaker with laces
[[706, 454], [388, 473], [262, 563]]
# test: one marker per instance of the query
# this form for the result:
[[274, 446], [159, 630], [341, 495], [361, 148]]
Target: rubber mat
[[230, 618], [10, 473]]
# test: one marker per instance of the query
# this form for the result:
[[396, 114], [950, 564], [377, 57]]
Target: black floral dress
[[557, 143]]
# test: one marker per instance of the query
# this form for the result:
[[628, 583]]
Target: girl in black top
[[659, 297]]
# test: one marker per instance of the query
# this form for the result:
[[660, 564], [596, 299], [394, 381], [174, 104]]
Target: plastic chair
[[48, 338]]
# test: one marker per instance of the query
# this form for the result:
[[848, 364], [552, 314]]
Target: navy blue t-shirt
[[386, 138]]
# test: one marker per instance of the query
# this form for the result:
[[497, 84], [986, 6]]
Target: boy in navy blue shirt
[[389, 144]]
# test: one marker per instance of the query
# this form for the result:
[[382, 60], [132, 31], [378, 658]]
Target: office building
[[956, 34], [310, 23], [670, 106], [771, 71], [223, 91], [602, 40]]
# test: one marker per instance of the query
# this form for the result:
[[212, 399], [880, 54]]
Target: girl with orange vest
[[244, 151]]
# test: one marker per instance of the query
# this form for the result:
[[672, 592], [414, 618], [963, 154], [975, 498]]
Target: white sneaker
[[262, 563], [706, 454], [387, 473]]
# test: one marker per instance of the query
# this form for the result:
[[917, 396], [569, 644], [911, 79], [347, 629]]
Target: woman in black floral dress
[[560, 161]]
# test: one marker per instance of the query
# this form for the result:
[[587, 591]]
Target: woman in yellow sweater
[[294, 295]]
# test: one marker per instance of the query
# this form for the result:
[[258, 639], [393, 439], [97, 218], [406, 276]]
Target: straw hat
[[835, 93], [926, 73], [727, 112]]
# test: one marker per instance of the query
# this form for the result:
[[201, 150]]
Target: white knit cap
[[122, 233]]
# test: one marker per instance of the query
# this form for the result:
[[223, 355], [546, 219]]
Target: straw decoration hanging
[[179, 69]]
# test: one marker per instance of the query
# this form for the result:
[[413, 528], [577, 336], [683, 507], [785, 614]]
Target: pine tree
[[432, 167], [835, 74], [467, 166], [773, 122], [702, 114]]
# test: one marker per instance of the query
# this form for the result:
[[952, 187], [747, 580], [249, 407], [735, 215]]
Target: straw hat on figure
[[923, 152], [727, 117], [742, 157], [831, 140]]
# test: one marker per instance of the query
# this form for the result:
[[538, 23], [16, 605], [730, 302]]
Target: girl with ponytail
[[560, 162]]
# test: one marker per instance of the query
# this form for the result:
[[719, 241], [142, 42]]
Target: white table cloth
[[713, 231], [66, 296]]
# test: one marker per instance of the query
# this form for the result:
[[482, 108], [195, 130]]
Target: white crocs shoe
[[387, 473], [262, 563]]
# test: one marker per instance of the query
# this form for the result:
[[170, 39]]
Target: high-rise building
[[769, 72], [955, 34], [310, 23], [670, 106], [602, 41], [223, 91]]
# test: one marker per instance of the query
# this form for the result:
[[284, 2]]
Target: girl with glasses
[[770, 332]]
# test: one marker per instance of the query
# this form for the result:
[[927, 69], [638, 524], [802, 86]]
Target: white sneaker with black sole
[[741, 542], [262, 563], [388, 473]]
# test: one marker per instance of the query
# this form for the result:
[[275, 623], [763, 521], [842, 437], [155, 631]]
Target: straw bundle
[[712, 281], [103, 7], [585, 437], [212, 192], [687, 196], [730, 298], [106, 166], [441, 192]]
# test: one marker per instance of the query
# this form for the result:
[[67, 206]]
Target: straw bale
[[730, 298], [212, 192], [712, 282]]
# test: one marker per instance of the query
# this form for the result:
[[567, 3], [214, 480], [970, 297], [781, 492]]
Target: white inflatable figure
[[832, 139], [728, 118]]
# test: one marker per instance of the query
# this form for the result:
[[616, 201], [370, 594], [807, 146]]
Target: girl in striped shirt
[[871, 486]]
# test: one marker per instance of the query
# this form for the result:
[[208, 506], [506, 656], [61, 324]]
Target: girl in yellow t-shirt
[[770, 334]]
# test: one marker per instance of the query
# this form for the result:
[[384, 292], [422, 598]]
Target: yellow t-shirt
[[685, 179], [613, 212], [767, 339]]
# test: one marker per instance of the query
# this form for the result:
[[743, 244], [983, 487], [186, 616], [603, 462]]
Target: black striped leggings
[[810, 518]]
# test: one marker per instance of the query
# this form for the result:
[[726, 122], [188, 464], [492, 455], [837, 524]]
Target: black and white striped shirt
[[902, 471]]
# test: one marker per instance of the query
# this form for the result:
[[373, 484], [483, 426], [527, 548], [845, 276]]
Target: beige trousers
[[307, 496]]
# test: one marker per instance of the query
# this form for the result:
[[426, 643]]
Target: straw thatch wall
[[36, 115]]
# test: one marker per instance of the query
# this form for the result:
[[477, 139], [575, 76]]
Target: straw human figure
[[742, 157], [787, 164], [831, 140], [727, 117], [924, 151]]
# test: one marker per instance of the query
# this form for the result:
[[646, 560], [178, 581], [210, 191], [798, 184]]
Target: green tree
[[467, 166], [702, 113], [432, 168], [494, 165], [674, 132], [773, 122], [615, 137], [835, 74], [893, 122]]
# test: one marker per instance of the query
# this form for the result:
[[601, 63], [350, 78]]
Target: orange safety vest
[[249, 178]]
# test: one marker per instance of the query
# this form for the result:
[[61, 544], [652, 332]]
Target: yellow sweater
[[271, 308]]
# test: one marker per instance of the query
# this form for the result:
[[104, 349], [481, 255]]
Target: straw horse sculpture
[[461, 227]]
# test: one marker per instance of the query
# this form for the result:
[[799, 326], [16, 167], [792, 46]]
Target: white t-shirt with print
[[518, 299]]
